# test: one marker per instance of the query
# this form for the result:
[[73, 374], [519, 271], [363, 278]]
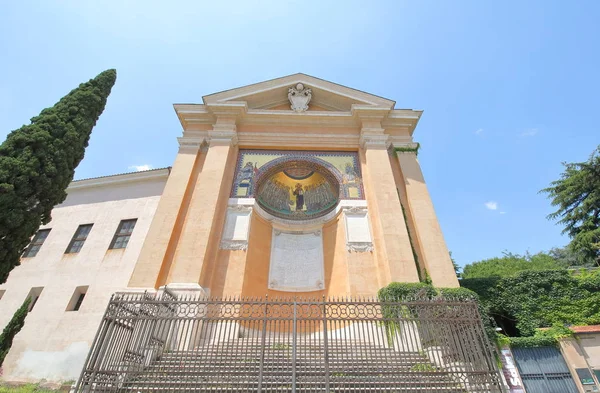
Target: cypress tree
[[38, 161], [14, 326]]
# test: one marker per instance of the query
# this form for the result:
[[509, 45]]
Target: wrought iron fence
[[167, 343]]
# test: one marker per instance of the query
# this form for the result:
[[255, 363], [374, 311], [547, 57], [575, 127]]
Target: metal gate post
[[326, 343], [262, 348], [294, 342]]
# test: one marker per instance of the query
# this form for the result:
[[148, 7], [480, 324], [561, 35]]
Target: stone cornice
[[298, 140], [124, 178]]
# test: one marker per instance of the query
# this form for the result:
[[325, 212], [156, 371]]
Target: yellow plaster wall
[[256, 272], [159, 246], [433, 253], [395, 261], [196, 247], [410, 223]]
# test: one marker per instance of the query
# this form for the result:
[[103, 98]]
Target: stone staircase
[[236, 367]]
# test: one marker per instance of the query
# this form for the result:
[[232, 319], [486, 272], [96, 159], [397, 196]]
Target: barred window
[[123, 234], [36, 243], [78, 239]]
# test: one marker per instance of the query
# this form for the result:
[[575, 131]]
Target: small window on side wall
[[123, 234], [79, 238], [36, 243], [34, 295], [77, 298]]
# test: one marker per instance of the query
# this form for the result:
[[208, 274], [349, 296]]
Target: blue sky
[[509, 89]]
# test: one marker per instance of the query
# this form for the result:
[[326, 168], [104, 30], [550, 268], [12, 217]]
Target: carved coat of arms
[[299, 97]]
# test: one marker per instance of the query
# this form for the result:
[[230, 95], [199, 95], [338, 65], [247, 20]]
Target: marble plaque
[[296, 262], [237, 228], [358, 234]]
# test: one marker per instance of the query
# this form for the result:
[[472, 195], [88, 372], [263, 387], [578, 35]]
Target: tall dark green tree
[[13, 327], [577, 198], [38, 161]]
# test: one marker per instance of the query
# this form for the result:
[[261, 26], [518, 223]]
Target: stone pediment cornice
[[262, 114], [197, 114]]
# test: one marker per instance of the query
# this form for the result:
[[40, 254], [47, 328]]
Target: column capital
[[191, 144], [378, 141], [224, 132], [222, 138]]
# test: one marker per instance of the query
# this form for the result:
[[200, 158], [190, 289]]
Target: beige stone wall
[[590, 343], [53, 343]]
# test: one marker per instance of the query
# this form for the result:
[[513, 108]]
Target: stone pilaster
[[157, 251], [203, 224], [433, 249], [394, 255]]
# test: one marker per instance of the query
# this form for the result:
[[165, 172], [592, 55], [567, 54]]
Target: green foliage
[[455, 265], [423, 291], [532, 341], [483, 286], [502, 340], [401, 291], [13, 327], [576, 195], [28, 388], [509, 265], [534, 299], [542, 337], [408, 149], [420, 270], [570, 258], [38, 161]]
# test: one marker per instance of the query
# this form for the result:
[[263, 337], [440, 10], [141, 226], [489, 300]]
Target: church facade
[[290, 187]]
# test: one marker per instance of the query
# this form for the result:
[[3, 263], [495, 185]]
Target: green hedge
[[397, 291], [537, 299]]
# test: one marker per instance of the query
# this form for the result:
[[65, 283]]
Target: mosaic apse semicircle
[[297, 184]]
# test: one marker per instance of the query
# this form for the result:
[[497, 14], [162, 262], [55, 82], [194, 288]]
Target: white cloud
[[138, 168], [479, 131], [502, 212], [492, 205], [529, 132]]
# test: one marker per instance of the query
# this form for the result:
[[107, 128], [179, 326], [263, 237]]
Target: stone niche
[[296, 261]]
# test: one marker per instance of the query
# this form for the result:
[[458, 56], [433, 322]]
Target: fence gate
[[543, 370], [165, 343]]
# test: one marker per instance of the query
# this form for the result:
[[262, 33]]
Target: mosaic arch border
[[316, 157]]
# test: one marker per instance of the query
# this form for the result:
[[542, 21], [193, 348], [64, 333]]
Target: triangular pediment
[[273, 95]]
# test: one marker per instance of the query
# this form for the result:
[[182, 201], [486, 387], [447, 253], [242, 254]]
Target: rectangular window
[[123, 234], [34, 295], [36, 243], [77, 298], [78, 239]]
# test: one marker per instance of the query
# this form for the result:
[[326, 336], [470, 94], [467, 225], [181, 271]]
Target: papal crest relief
[[299, 97]]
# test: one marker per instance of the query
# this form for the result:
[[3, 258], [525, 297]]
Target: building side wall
[[53, 343], [590, 343]]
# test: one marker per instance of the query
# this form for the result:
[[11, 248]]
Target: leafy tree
[[577, 198], [510, 265], [537, 298], [456, 266], [38, 161], [568, 257], [14, 326]]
